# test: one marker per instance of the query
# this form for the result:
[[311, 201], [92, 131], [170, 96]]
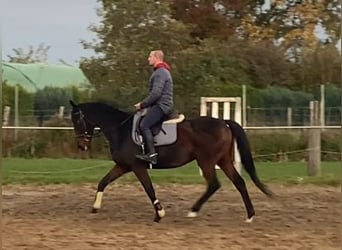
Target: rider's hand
[[137, 106]]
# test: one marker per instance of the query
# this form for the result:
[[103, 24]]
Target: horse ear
[[73, 104]]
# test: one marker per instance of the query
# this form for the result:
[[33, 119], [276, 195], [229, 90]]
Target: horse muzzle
[[83, 144], [83, 147]]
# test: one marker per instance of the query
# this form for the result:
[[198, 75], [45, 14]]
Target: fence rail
[[247, 128], [31, 145]]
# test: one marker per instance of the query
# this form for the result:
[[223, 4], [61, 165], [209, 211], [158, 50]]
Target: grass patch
[[54, 171]]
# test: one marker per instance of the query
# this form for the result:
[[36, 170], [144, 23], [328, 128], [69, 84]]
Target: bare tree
[[32, 55]]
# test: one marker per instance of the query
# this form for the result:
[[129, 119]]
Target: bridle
[[86, 136]]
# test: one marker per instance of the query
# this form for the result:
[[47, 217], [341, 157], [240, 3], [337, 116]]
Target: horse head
[[84, 129], [86, 116]]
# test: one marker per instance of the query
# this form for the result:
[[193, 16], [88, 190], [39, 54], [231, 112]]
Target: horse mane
[[108, 111]]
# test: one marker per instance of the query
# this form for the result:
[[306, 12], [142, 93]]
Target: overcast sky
[[60, 24]]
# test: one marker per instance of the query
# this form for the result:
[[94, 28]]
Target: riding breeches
[[154, 116]]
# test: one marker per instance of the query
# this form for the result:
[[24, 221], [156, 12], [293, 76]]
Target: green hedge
[[266, 145], [277, 145]]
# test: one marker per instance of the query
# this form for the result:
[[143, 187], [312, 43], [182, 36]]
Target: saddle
[[164, 134]]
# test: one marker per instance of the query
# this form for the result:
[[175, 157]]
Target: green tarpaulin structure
[[37, 76]]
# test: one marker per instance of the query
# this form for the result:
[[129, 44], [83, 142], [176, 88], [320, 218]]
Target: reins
[[124, 121], [99, 132]]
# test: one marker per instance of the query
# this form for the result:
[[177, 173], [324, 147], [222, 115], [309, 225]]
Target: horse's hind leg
[[116, 172], [228, 168], [213, 185]]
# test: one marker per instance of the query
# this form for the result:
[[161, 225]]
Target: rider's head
[[155, 57]]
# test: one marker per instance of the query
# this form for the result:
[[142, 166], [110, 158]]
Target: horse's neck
[[117, 130], [108, 120], [104, 121]]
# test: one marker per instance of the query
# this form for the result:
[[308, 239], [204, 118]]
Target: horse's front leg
[[144, 178], [112, 175]]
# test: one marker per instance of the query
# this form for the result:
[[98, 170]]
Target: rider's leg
[[153, 116]]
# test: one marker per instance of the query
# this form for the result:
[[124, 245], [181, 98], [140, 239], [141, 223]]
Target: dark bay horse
[[207, 140]]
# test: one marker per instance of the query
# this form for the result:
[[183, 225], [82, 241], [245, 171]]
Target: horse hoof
[[192, 214], [94, 211], [161, 213], [249, 220]]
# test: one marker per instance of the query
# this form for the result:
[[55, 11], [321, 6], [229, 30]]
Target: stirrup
[[152, 158]]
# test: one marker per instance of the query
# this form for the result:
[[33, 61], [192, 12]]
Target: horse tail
[[246, 156]]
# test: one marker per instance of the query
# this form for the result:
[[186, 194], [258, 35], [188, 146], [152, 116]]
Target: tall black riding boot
[[151, 155]]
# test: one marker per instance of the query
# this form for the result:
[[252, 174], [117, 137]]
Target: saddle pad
[[166, 136]]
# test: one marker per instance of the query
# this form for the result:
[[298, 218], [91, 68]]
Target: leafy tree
[[128, 31], [320, 66], [332, 22], [208, 70], [205, 57], [293, 24], [263, 62], [292, 21], [214, 19]]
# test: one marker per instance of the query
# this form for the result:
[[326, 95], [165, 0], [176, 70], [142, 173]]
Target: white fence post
[[237, 118], [5, 120], [244, 106], [227, 101], [215, 109], [289, 116], [61, 112]]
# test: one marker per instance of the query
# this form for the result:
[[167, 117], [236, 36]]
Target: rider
[[159, 102]]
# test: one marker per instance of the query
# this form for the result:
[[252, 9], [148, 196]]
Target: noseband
[[86, 136]]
